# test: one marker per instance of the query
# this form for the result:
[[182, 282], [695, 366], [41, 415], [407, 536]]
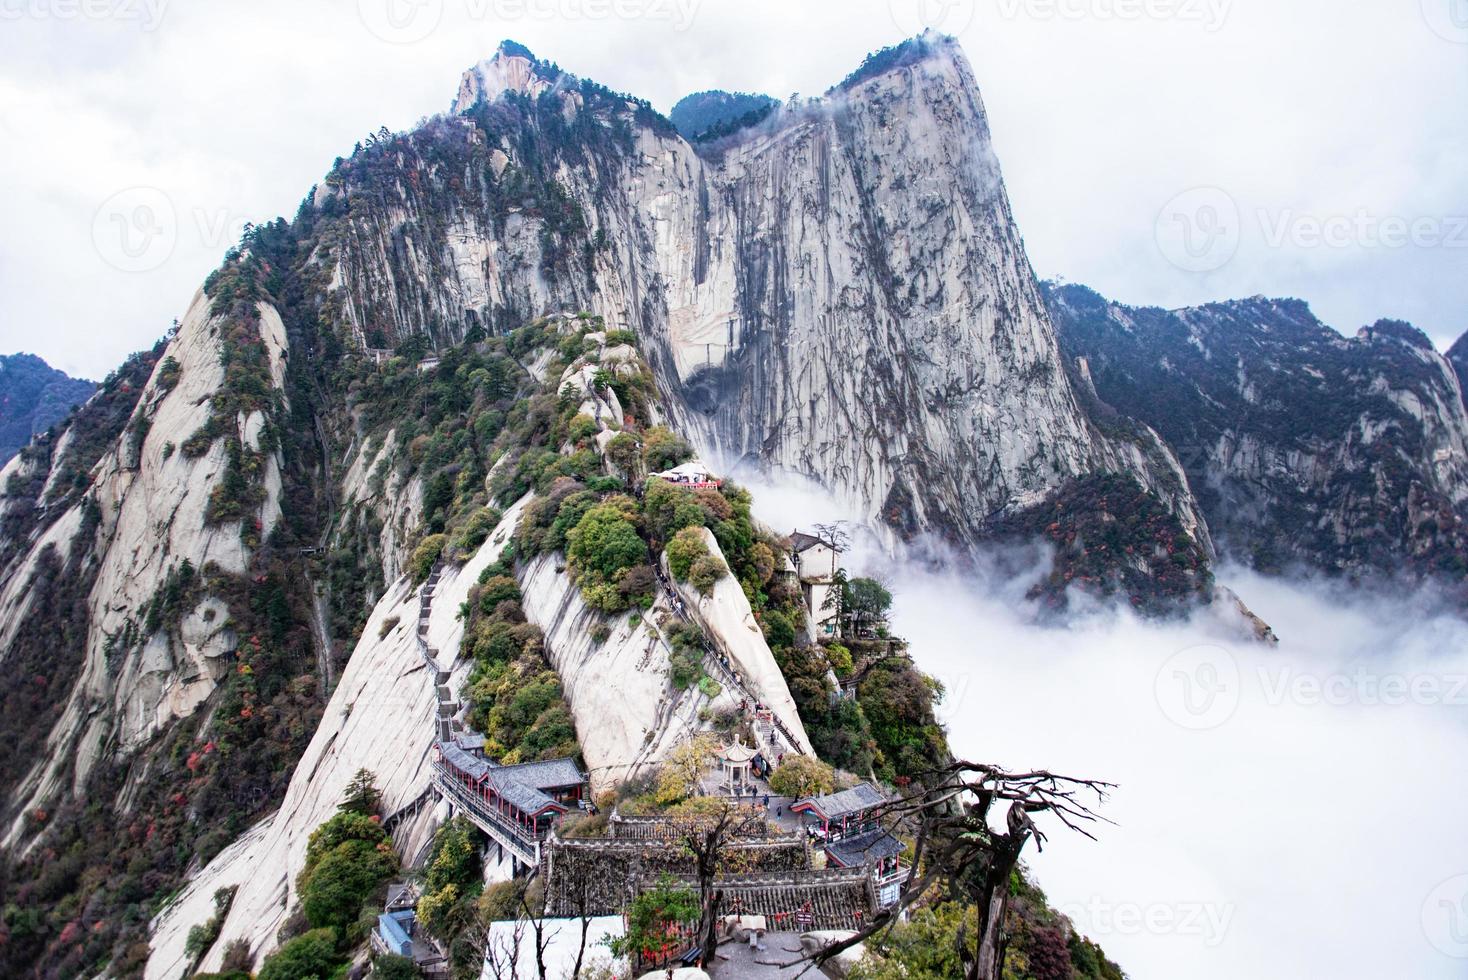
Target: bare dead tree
[[956, 847], [537, 923], [500, 955], [581, 899], [706, 838], [835, 536]]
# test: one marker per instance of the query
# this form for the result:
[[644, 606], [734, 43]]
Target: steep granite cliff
[[1303, 446], [839, 291]]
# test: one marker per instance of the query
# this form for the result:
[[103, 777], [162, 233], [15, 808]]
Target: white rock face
[[380, 718], [840, 292], [726, 615], [375, 484], [628, 716], [152, 503]]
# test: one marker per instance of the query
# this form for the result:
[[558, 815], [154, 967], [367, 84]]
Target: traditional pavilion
[[735, 762], [854, 839], [690, 474]]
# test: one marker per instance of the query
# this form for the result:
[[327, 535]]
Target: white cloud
[[1303, 834]]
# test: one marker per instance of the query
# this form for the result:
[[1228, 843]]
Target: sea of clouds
[[1296, 810]]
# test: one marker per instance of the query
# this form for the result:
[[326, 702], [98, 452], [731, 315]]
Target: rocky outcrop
[[145, 518], [839, 291], [726, 617], [1458, 358], [1304, 446], [380, 718], [628, 715]]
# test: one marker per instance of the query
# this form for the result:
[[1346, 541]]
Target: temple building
[[517, 805], [816, 561], [846, 823]]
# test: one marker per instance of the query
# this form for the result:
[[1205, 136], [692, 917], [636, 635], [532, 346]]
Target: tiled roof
[[463, 761], [527, 799], [393, 928], [833, 806], [549, 774], [517, 785], [800, 541], [851, 852]]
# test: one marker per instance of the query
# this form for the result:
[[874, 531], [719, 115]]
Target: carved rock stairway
[[718, 665], [448, 705]]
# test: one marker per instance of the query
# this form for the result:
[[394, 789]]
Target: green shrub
[[453, 872], [802, 775], [201, 937], [710, 687], [686, 548], [605, 541], [580, 428], [840, 659], [425, 555], [685, 668], [310, 955], [662, 449], [498, 589], [342, 826], [706, 572], [625, 452], [386, 966], [333, 895], [476, 531]]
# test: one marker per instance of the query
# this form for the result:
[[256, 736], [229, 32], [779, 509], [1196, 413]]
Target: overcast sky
[[1163, 151]]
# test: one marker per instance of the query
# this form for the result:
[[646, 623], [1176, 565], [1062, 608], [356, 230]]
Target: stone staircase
[[448, 705], [717, 665]]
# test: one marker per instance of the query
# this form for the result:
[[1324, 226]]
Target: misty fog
[[1281, 811]]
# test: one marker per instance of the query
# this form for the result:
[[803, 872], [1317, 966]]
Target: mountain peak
[[921, 47], [512, 68]]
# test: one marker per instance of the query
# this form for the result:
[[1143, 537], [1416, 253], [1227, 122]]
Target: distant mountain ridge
[[1458, 358], [33, 397], [1301, 445], [705, 113]]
